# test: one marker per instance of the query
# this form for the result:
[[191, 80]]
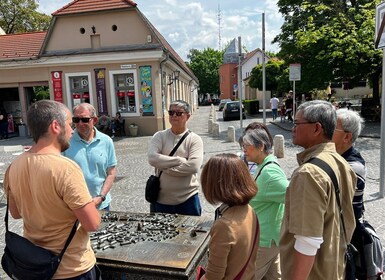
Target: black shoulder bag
[[23, 260], [153, 182], [351, 252]]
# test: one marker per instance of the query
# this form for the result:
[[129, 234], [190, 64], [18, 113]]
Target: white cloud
[[190, 24]]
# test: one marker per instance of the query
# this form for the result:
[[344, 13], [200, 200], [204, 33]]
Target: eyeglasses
[[84, 120], [173, 113], [337, 129], [245, 146], [295, 124]]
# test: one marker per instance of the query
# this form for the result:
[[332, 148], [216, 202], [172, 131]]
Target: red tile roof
[[81, 6], [25, 45]]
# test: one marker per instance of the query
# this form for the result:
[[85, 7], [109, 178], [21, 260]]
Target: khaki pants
[[268, 267]]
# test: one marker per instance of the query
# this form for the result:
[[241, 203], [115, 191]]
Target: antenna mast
[[219, 26]]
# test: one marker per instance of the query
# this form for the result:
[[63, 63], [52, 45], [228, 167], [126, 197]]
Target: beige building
[[103, 52]]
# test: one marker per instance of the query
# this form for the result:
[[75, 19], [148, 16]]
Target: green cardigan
[[269, 203]]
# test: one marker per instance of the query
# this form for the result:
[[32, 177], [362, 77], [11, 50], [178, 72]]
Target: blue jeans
[[275, 113], [93, 274], [191, 207]]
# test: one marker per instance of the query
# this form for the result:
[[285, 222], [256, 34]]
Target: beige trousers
[[268, 267]]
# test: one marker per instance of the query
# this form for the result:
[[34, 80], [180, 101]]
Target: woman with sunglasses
[[178, 181]]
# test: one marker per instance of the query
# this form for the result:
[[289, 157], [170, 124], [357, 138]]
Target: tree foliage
[[333, 41], [205, 65], [277, 76], [19, 16]]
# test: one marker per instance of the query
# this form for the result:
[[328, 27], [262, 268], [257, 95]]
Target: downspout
[[163, 87]]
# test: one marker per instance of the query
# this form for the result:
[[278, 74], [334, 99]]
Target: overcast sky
[[188, 24]]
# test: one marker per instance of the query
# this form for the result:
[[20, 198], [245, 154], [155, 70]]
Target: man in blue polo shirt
[[95, 153]]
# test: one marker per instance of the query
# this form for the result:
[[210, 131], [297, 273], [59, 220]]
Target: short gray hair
[[182, 104], [257, 137], [42, 113], [351, 121], [87, 106], [322, 112]]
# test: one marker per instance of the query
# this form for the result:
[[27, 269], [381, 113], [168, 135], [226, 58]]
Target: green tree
[[205, 65], [19, 16], [277, 76], [333, 41]]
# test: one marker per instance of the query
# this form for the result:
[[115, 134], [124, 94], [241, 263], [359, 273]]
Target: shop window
[[79, 88], [126, 99]]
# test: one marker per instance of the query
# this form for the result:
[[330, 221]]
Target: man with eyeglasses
[[313, 242], [95, 153], [348, 128], [178, 181]]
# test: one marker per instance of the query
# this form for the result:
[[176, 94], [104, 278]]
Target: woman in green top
[[269, 203]]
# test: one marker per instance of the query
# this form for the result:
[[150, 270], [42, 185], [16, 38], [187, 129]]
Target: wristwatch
[[102, 196]]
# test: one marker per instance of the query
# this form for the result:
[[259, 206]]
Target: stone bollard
[[210, 124], [279, 147], [216, 129], [231, 134]]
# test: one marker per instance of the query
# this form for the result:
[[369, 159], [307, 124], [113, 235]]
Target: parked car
[[222, 104], [232, 111]]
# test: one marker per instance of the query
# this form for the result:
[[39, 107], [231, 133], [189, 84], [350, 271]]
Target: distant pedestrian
[[269, 203], [313, 243], [178, 183], [274, 102], [234, 235], [289, 106], [3, 123], [94, 151]]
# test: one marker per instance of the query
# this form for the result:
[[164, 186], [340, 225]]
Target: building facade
[[106, 53]]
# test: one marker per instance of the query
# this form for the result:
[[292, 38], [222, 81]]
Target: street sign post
[[294, 75]]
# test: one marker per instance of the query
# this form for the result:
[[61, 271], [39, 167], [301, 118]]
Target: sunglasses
[[173, 113], [84, 120]]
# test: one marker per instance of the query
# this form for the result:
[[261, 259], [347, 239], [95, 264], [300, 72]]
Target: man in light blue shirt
[[95, 153]]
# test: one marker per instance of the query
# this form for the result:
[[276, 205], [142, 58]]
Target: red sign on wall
[[57, 85]]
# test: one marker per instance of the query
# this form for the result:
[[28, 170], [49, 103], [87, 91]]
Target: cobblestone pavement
[[133, 168]]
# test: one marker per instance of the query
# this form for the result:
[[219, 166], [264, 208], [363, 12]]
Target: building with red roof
[[106, 53]]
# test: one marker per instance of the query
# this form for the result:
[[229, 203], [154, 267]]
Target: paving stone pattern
[[133, 168]]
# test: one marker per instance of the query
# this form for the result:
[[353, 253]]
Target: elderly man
[[95, 153], [313, 242], [349, 126], [178, 182], [49, 193]]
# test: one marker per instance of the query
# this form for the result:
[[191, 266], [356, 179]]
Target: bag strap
[[177, 146], [69, 239], [239, 276], [260, 170], [325, 167]]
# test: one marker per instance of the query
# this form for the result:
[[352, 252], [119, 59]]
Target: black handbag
[[24, 260], [152, 188], [153, 182]]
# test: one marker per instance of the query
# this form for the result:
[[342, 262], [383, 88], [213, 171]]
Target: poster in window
[[57, 85], [100, 79], [146, 90]]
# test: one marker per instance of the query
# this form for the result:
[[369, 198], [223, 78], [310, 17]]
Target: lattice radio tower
[[219, 27]]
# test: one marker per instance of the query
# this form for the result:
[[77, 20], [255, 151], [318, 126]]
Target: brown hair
[[225, 178]]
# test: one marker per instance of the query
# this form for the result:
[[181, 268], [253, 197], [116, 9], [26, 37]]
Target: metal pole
[[382, 149], [240, 83], [263, 70], [293, 112]]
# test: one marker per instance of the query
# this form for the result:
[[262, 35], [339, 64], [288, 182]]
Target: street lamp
[[172, 80]]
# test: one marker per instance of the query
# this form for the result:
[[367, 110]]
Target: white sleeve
[[307, 245]]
